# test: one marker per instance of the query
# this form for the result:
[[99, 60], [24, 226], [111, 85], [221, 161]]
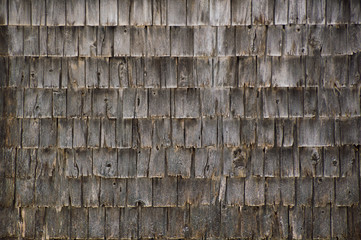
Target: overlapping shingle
[[180, 119]]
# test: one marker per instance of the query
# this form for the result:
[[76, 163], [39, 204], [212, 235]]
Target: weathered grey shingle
[[135, 103], [71, 38], [83, 158], [193, 191], [316, 11], [19, 12], [31, 135], [338, 12], [281, 12], [310, 102], [313, 132], [65, 138], [347, 130], [339, 222], [286, 72], [92, 12], [138, 45], [179, 162], [231, 132], [220, 12], [274, 40], [48, 133], [161, 133], [262, 12], [139, 192], [55, 41], [323, 191], [159, 12], [105, 163], [93, 137], [124, 133], [87, 41], [235, 191], [321, 223], [14, 40], [226, 41], [177, 12], [157, 164], [118, 72], [347, 191], [75, 13], [96, 223], [13, 104], [225, 72], [336, 74], [295, 40], [31, 41], [112, 193], [241, 12], [108, 12], [52, 72], [197, 12], [317, 40], [127, 163], [152, 222], [300, 222], [4, 13], [296, 102], [186, 73], [25, 189], [255, 191], [297, 12], [57, 222], [204, 41], [181, 39], [18, 78], [105, 40], [272, 162], [192, 133], [311, 162], [91, 188], [275, 103], [112, 218], [348, 161], [145, 126], [188, 105], [158, 41], [165, 192], [253, 40]]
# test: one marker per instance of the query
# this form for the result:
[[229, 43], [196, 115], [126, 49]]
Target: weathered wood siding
[[218, 119]]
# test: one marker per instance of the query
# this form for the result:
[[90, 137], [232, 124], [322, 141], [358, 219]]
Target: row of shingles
[[195, 222], [331, 72], [178, 12], [189, 133], [289, 40], [41, 174], [159, 161], [210, 132], [91, 191], [137, 103], [187, 222]]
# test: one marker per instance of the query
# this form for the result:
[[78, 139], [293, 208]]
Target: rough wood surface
[[180, 119]]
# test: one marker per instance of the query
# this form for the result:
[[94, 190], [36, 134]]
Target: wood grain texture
[[180, 119]]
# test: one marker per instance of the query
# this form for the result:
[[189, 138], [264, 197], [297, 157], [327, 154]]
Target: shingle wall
[[180, 119]]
